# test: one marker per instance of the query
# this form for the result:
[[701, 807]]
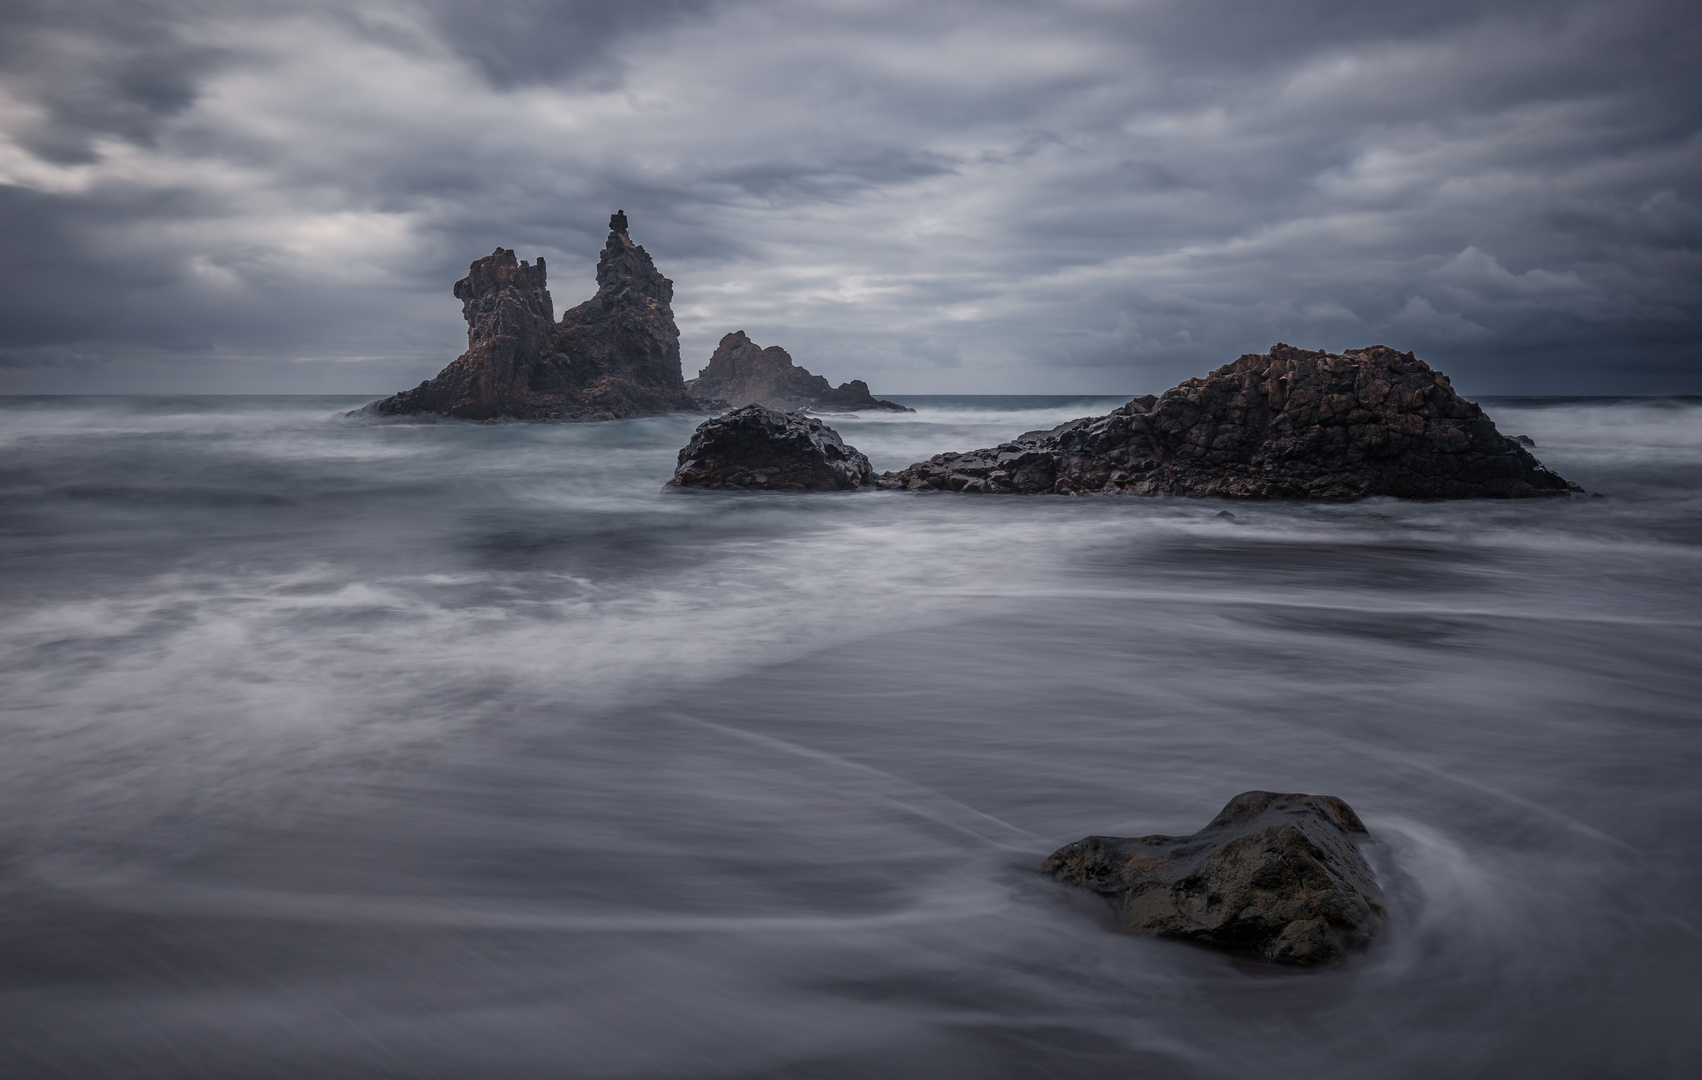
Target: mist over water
[[341, 748]]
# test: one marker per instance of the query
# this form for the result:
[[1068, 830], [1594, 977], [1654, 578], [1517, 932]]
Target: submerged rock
[[1277, 876], [1289, 424], [743, 373], [760, 448], [615, 355]]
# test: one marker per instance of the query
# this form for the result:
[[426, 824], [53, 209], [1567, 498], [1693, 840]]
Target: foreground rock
[[1276, 876], [742, 372], [759, 448], [1290, 424], [615, 355]]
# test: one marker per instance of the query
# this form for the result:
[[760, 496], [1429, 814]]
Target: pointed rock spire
[[615, 355]]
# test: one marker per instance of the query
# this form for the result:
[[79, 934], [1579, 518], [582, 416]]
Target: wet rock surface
[[1288, 424], [764, 449], [742, 372], [1277, 876], [616, 355]]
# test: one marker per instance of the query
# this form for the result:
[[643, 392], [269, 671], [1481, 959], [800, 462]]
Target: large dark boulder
[[743, 373], [1289, 424], [616, 355], [1275, 876], [759, 448]]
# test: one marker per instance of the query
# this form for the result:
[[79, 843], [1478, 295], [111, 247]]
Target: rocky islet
[[1287, 424], [616, 355], [741, 372]]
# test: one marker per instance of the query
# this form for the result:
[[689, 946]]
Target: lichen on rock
[[1278, 876]]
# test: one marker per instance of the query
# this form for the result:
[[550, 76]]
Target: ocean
[[334, 747]]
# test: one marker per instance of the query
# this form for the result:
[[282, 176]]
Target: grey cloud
[[972, 196], [98, 68], [518, 42]]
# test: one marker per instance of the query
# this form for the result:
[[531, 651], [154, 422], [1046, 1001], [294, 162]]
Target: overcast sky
[[1069, 197]]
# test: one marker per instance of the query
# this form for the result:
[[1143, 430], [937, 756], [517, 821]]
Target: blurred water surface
[[342, 748]]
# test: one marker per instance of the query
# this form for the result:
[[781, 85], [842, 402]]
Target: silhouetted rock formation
[[1277, 876], [743, 373], [758, 447], [1290, 424], [615, 355]]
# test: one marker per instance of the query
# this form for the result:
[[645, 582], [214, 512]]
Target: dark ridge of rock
[[745, 373], [616, 355], [1290, 424], [1277, 876], [762, 449]]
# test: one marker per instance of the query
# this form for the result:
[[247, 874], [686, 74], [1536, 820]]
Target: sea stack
[[616, 355], [1287, 424], [741, 372]]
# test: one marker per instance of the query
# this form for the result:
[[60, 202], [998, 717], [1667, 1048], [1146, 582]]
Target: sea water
[[344, 748]]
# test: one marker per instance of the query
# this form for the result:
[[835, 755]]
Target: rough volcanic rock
[[743, 372], [1289, 424], [615, 355], [1277, 876], [758, 447]]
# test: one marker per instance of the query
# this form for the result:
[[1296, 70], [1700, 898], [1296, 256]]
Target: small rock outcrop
[[759, 448], [1276, 876], [616, 355], [744, 373], [1289, 424]]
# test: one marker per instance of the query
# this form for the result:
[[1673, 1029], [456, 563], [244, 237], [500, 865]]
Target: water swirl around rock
[[1278, 876]]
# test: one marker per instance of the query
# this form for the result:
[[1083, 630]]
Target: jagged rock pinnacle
[[615, 355]]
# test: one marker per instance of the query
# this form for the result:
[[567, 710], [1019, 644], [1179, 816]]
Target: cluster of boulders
[[1288, 424], [1277, 876], [741, 372]]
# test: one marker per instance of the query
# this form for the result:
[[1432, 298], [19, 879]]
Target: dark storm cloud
[[97, 69], [1075, 197], [519, 42]]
